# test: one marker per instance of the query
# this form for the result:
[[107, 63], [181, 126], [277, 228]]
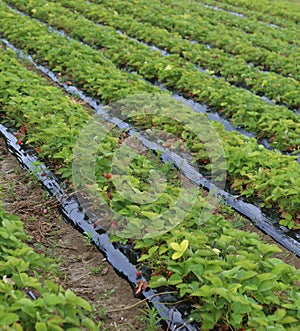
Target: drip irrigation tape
[[72, 212], [287, 238]]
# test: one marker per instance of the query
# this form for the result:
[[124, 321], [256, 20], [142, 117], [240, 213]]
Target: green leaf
[[84, 304], [157, 281], [177, 255], [267, 248], [175, 246], [267, 285], [238, 308], [8, 319], [51, 299], [197, 269], [280, 313], [149, 214], [152, 250], [175, 279], [184, 245], [41, 326], [289, 320], [204, 291], [208, 321], [134, 208], [88, 323]]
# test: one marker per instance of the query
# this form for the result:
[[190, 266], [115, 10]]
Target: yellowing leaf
[[180, 249], [184, 245], [175, 246], [176, 255]]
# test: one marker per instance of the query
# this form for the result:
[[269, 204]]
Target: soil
[[83, 269]]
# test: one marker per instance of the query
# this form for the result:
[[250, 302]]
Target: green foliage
[[253, 172], [23, 270], [236, 70], [179, 249], [151, 318], [180, 18], [229, 276], [276, 123]]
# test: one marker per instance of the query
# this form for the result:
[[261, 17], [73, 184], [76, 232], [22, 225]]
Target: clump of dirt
[[83, 269]]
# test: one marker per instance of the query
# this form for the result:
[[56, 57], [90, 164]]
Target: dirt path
[[83, 268]]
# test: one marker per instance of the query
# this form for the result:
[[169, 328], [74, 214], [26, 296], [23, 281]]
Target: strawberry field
[[208, 89]]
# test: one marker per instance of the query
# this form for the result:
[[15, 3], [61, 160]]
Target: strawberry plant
[[20, 267], [252, 171], [245, 109], [197, 28], [228, 284], [264, 10], [230, 277]]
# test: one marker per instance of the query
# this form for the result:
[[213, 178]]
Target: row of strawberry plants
[[252, 167], [229, 275], [251, 170], [54, 123], [273, 21], [257, 184], [56, 133], [282, 39], [234, 70], [247, 24], [76, 61], [286, 11], [54, 308], [277, 123], [233, 42], [276, 21]]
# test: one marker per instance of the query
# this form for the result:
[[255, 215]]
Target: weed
[[88, 237], [236, 219], [151, 318], [96, 270], [10, 191], [107, 294]]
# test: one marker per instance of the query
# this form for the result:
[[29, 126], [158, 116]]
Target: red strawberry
[[19, 142], [107, 175], [138, 274], [23, 130], [108, 194], [114, 225]]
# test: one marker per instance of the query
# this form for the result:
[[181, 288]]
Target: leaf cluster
[[24, 272]]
